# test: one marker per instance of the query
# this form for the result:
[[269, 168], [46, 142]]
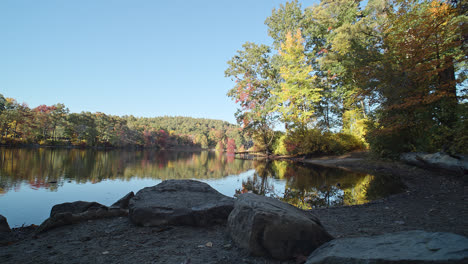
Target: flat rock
[[269, 227], [401, 247], [76, 207], [437, 160], [179, 202]]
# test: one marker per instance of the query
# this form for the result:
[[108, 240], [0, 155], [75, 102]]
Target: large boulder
[[437, 160], [401, 247], [179, 202], [76, 207], [123, 202], [4, 227], [269, 227]]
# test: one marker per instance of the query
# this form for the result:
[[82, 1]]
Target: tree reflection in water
[[310, 186], [50, 168], [304, 186]]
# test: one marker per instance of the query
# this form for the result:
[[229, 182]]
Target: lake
[[33, 180]]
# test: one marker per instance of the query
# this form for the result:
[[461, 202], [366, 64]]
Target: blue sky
[[142, 57]]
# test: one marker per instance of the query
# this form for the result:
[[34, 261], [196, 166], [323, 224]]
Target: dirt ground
[[433, 201]]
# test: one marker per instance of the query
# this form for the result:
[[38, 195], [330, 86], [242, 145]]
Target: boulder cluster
[[262, 225]]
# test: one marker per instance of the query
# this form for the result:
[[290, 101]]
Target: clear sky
[[136, 57]]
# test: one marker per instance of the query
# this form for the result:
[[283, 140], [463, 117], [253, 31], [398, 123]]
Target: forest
[[54, 125], [389, 75], [342, 75]]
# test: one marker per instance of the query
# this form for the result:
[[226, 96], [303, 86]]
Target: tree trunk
[[447, 87]]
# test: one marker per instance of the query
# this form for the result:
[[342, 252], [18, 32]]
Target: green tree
[[255, 76], [286, 19], [58, 114], [2, 103]]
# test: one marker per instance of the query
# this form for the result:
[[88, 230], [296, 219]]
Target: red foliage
[[44, 109], [290, 146], [231, 146]]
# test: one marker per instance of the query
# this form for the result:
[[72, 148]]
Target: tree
[[58, 116], [418, 81], [231, 146], [220, 146], [347, 46], [2, 103], [9, 118], [255, 76], [203, 141], [44, 119], [286, 19], [298, 95], [81, 128]]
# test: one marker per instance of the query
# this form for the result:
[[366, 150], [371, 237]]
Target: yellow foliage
[[297, 95]]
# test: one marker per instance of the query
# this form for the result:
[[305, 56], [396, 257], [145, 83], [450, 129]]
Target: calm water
[[33, 180]]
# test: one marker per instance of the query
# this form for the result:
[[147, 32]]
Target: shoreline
[[434, 201], [37, 146]]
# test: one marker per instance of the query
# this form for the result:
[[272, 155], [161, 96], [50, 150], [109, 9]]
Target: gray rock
[[401, 247], [123, 202], [76, 207], [67, 218], [179, 202], [269, 227], [437, 160], [4, 227]]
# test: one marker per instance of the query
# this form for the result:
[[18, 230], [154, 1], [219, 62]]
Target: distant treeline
[[55, 125]]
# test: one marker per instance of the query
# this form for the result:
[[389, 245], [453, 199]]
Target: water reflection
[[50, 168], [308, 186], [32, 176]]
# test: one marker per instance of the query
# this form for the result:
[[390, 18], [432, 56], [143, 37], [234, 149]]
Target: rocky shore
[[434, 201]]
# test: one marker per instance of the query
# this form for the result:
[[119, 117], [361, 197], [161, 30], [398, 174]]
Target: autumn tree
[[202, 140], [418, 110], [220, 146], [392, 72], [231, 146], [255, 76], [298, 95]]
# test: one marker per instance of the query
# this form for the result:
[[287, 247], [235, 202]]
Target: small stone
[[209, 244], [105, 252], [400, 222]]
